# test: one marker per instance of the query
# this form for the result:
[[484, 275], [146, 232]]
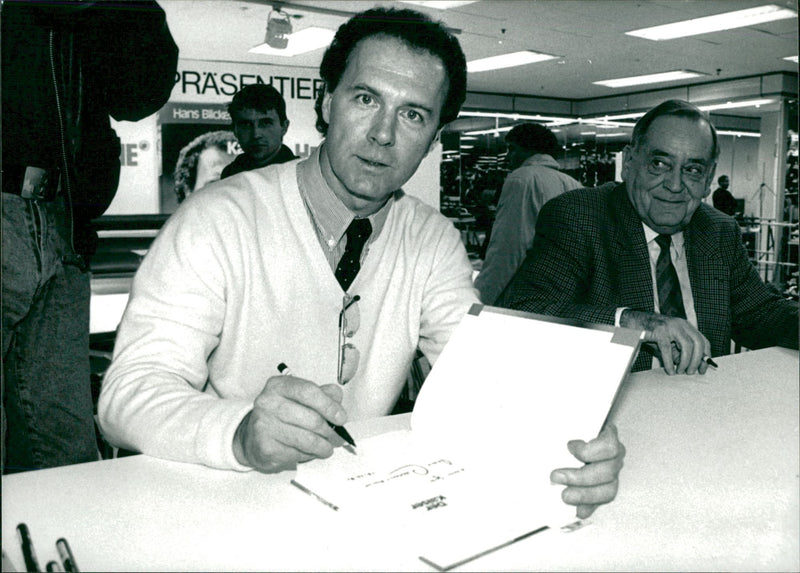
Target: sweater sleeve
[[448, 293], [152, 398]]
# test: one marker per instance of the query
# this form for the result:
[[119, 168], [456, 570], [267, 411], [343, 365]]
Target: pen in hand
[[341, 431], [676, 357]]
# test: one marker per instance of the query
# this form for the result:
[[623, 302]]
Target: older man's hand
[[596, 482], [680, 345]]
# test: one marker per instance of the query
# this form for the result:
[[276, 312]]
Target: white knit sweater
[[236, 282]]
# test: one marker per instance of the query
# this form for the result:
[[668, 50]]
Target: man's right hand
[[680, 345], [289, 424]]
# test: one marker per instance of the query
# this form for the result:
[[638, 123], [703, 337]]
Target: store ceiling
[[588, 34]]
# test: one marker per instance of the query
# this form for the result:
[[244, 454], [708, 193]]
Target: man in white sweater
[[322, 264]]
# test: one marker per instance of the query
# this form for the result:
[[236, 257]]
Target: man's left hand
[[596, 482]]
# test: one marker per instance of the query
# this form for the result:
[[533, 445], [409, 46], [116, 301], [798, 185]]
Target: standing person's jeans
[[47, 402]]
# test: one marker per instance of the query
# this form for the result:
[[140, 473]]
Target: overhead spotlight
[[278, 29]]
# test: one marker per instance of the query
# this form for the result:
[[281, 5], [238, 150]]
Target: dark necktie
[[357, 234], [670, 300]]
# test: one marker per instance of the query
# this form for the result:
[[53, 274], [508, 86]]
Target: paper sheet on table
[[490, 424], [442, 510]]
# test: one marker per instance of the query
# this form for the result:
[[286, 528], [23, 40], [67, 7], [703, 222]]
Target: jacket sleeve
[[133, 54], [761, 316], [512, 236], [556, 276]]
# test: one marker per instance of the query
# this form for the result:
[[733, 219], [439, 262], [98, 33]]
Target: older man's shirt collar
[[677, 241]]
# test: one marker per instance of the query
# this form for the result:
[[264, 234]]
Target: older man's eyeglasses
[[694, 172], [349, 321]]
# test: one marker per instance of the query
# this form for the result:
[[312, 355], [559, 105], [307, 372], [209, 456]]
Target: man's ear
[[627, 157], [326, 106], [710, 178], [284, 127], [434, 141]]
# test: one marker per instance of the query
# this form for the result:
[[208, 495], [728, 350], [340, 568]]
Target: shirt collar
[[540, 159], [677, 239], [330, 215]]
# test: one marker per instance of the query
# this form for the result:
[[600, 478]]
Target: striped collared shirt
[[330, 217]]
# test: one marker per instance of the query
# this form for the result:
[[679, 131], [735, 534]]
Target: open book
[[491, 422]]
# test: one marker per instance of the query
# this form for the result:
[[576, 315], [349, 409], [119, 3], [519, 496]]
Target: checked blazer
[[590, 257]]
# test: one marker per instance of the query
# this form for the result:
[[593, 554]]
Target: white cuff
[[618, 314]]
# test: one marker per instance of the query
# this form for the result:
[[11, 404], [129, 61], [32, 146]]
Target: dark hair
[[676, 108], [185, 174], [414, 29], [534, 137], [721, 177], [260, 97]]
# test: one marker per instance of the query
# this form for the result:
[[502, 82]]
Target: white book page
[[518, 389], [490, 424], [446, 511]]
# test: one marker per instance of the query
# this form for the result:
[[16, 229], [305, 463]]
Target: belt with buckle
[[31, 182]]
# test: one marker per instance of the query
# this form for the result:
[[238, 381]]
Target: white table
[[710, 483]]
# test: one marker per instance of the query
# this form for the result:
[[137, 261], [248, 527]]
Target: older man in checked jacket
[[595, 255]]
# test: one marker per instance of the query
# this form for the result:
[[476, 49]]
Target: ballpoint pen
[[65, 553], [706, 358], [341, 431], [31, 563]]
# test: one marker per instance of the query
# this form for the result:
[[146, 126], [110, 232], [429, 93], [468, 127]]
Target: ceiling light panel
[[756, 103], [511, 60], [495, 131], [715, 23], [439, 4], [738, 133], [515, 116], [650, 79]]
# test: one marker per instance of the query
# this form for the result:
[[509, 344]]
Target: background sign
[[197, 108]]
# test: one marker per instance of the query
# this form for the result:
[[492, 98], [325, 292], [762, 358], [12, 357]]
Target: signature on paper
[[433, 471]]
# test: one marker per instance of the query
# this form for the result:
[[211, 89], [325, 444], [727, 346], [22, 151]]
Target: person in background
[[258, 116], [534, 179], [67, 66], [202, 161], [648, 254], [723, 199], [325, 265]]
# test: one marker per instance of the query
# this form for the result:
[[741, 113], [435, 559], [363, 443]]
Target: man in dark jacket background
[[723, 199], [66, 68]]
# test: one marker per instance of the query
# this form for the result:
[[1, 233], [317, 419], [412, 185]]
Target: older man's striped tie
[[670, 300]]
